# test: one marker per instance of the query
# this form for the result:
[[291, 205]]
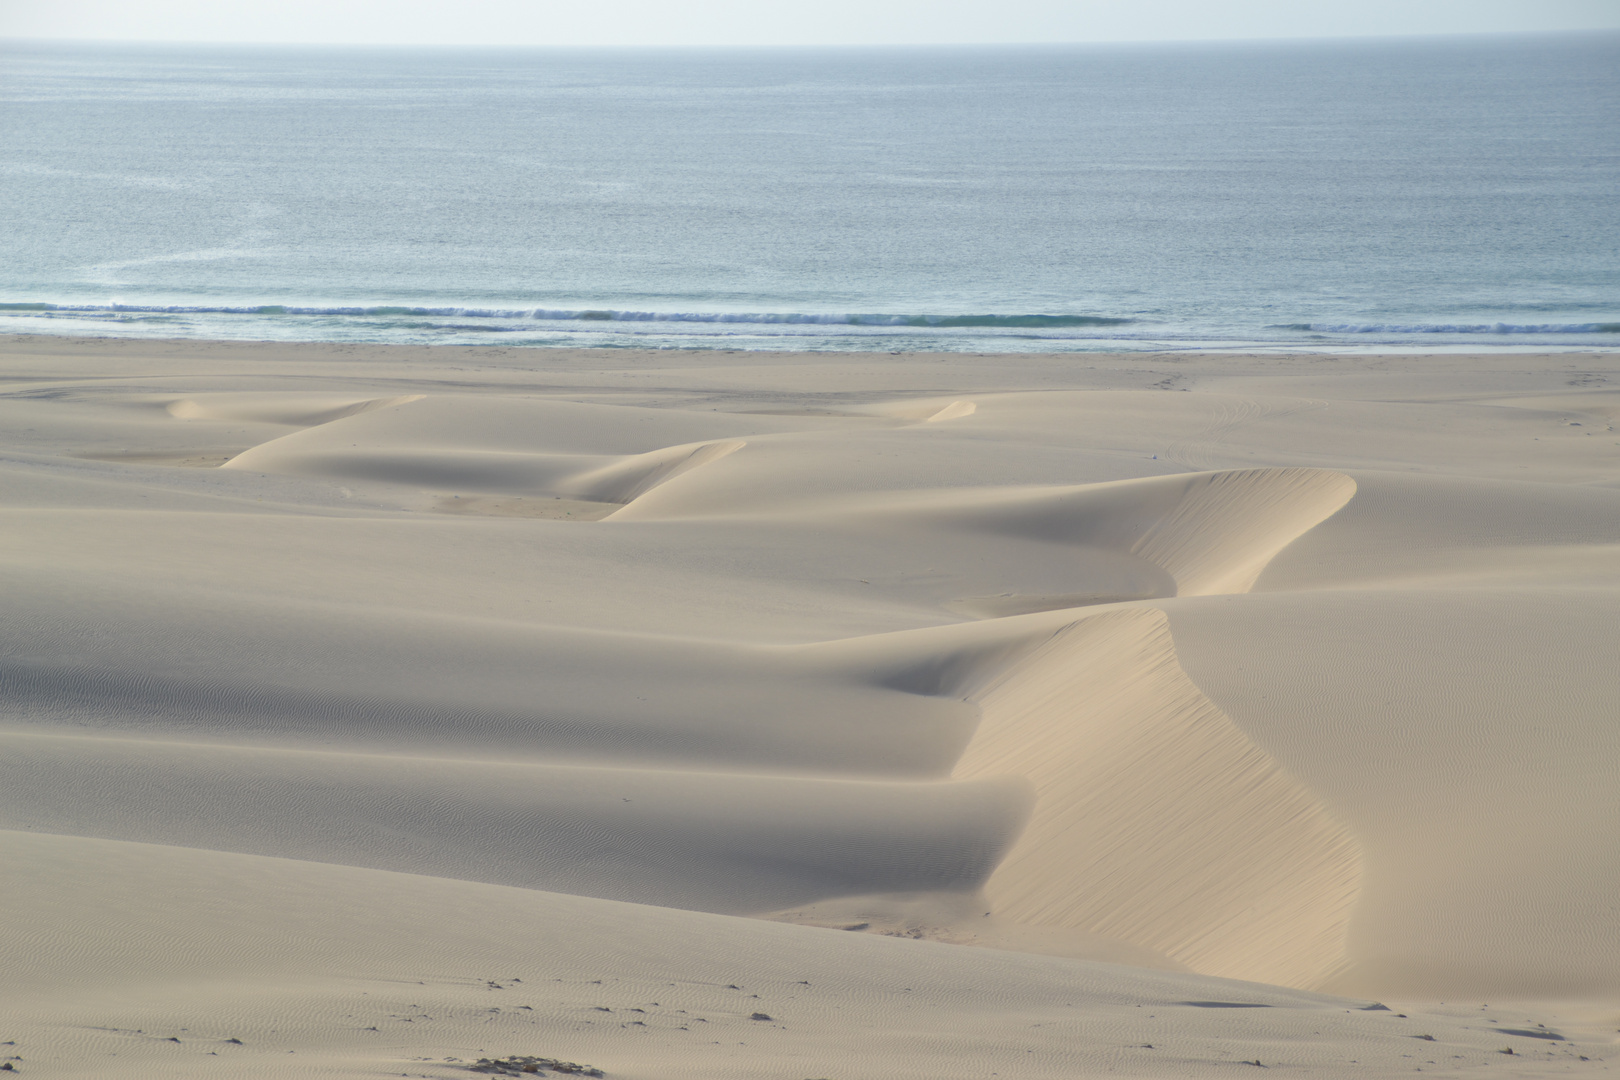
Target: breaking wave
[[594, 315], [1453, 328]]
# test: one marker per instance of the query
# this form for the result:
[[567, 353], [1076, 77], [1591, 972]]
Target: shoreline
[[1153, 349], [49, 344]]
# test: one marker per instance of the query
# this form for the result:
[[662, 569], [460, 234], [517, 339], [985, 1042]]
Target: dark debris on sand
[[518, 1065]]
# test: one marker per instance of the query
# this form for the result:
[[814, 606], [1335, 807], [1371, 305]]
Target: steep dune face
[[1469, 739], [1157, 677], [1156, 819]]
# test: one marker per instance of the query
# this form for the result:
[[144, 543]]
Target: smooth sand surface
[[388, 708]]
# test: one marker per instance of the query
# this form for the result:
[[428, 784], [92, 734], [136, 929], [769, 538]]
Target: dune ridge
[[1229, 525], [1156, 820], [293, 411], [625, 482]]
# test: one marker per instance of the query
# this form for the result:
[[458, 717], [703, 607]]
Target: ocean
[[1436, 194]]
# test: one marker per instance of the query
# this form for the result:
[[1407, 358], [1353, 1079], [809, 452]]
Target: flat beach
[[374, 710]]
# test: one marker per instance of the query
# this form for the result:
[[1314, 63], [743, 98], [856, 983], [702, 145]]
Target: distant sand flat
[[453, 703]]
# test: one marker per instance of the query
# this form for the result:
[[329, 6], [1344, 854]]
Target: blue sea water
[[1436, 193]]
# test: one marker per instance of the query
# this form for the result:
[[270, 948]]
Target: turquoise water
[[1433, 193]]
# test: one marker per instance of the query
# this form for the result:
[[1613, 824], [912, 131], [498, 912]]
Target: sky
[[781, 22]]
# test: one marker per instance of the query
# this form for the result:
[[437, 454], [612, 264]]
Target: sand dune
[[1157, 821], [432, 665]]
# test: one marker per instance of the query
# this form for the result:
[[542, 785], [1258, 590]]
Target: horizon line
[[7, 40]]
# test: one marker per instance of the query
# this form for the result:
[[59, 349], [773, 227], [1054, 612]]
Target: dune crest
[[954, 411], [625, 481], [1189, 534], [1229, 525], [1156, 820], [290, 410]]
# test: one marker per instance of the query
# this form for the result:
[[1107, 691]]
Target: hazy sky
[[779, 22]]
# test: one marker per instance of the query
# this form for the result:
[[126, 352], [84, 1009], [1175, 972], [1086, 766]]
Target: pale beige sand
[[344, 687]]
